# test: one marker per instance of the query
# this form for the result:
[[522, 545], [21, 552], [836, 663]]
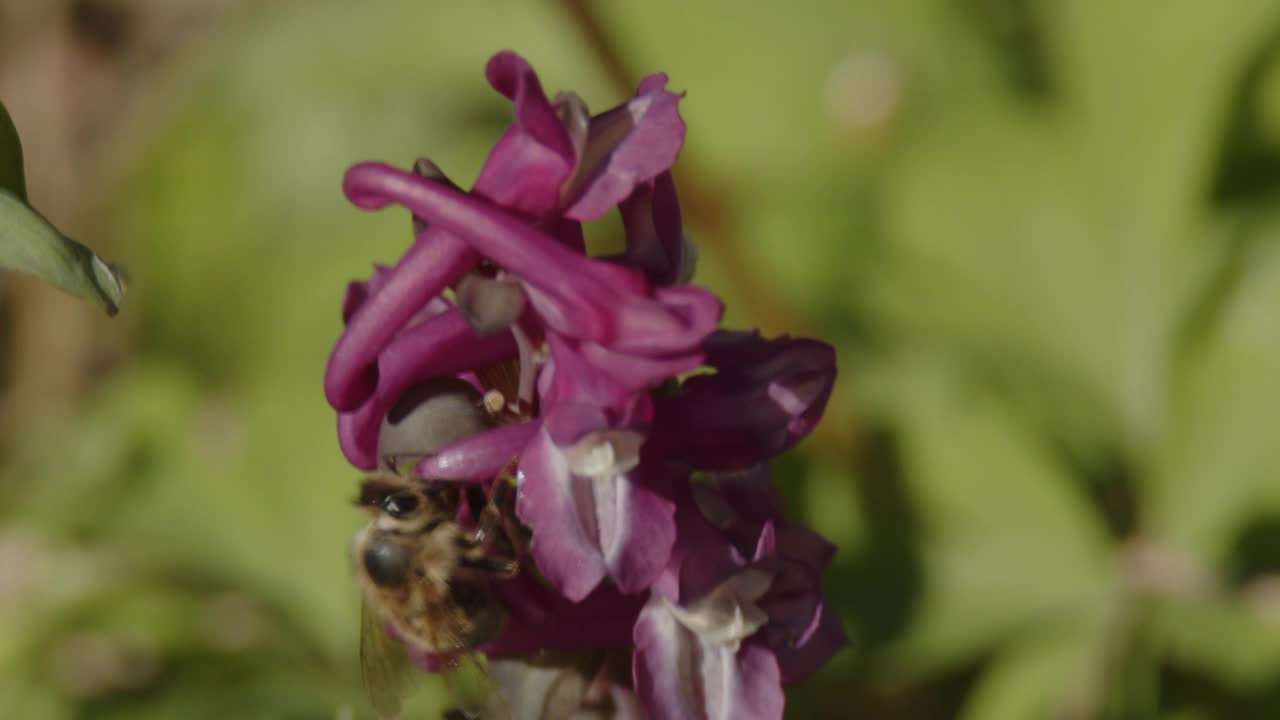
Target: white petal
[[729, 614], [606, 454]]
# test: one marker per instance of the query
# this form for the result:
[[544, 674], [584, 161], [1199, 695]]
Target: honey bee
[[426, 573]]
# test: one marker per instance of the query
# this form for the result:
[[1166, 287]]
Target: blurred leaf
[[11, 175], [1176, 86], [1216, 469], [996, 515], [1045, 674], [1221, 638], [31, 244]]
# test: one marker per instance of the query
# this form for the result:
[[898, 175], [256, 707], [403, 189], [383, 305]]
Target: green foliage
[[30, 244], [1040, 234], [11, 175]]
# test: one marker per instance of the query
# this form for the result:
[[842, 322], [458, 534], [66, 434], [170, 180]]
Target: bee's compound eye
[[387, 563], [400, 504]]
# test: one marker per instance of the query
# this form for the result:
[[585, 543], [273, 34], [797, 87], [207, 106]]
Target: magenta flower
[[740, 606], [496, 338]]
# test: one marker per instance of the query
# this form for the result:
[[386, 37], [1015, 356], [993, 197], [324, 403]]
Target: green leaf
[[995, 510], [1222, 638], [1215, 470], [1045, 674], [31, 244], [11, 176]]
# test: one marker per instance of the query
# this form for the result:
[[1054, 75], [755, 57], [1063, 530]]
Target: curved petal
[[655, 234], [434, 261], [593, 388], [634, 371], [699, 307], [638, 529], [799, 662], [575, 382], [764, 397], [479, 457], [795, 602], [535, 156], [626, 146], [575, 295], [587, 528], [739, 496], [759, 685]]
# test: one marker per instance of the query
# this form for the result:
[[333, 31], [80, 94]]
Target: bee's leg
[[489, 566], [475, 501], [486, 528], [493, 515], [502, 505]]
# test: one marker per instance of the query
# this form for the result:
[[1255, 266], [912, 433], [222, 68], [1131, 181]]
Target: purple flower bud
[[764, 397], [655, 236], [534, 157]]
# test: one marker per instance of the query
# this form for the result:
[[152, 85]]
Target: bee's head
[[387, 562]]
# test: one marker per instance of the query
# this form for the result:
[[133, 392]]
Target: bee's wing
[[384, 665], [471, 689]]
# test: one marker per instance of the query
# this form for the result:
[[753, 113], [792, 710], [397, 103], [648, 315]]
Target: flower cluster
[[654, 527]]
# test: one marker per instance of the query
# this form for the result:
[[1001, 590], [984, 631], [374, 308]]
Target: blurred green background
[[1043, 236]]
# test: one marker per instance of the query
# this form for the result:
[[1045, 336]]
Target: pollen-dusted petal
[[586, 528], [478, 457], [535, 156], [428, 417], [606, 454], [729, 613], [442, 345], [435, 260], [489, 304], [628, 145]]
